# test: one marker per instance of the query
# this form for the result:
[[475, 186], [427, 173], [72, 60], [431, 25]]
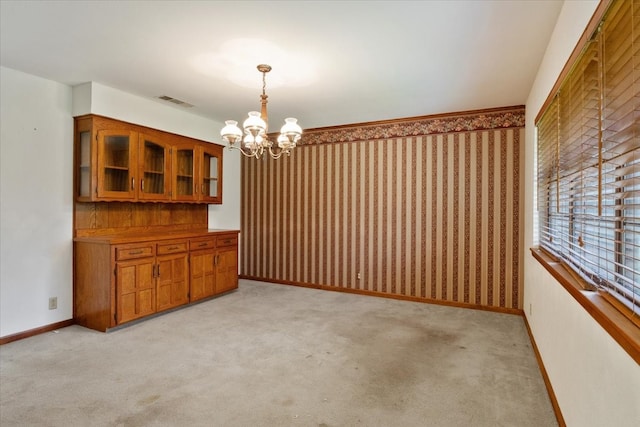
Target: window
[[589, 162]]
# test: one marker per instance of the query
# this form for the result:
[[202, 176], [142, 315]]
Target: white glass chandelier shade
[[253, 135], [254, 124], [231, 132], [291, 128]]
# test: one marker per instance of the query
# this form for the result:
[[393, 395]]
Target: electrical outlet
[[530, 309], [359, 276], [53, 303]]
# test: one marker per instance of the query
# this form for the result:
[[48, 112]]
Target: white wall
[[36, 142], [595, 381]]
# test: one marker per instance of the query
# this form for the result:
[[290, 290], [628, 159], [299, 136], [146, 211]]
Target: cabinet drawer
[[223, 241], [172, 247], [133, 251], [197, 244]]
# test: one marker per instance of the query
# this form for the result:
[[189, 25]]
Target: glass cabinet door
[[84, 164], [85, 158], [116, 164], [154, 174], [184, 173], [211, 169]]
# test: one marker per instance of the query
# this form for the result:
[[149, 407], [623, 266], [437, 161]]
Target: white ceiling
[[334, 62]]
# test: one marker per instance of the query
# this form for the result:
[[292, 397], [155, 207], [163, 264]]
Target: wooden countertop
[[148, 236]]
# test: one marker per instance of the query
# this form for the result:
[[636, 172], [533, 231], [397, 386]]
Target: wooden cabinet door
[[117, 167], [202, 274], [210, 174], [85, 160], [172, 276], [154, 168], [226, 269], [136, 289], [184, 172]]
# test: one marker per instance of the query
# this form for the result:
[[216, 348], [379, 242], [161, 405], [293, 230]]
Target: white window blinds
[[589, 161]]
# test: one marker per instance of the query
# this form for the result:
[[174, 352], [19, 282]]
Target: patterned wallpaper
[[423, 209]]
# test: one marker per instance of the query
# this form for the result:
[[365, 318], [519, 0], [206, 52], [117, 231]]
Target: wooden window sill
[[620, 327]]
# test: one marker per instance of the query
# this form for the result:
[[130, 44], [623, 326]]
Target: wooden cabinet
[[134, 259], [184, 176], [116, 164], [118, 161], [150, 277], [210, 173], [122, 278], [132, 165], [136, 290], [226, 263], [198, 173], [154, 168], [214, 265], [135, 281], [172, 274], [202, 272]]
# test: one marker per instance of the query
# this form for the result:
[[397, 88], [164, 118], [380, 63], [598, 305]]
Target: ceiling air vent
[[175, 101]]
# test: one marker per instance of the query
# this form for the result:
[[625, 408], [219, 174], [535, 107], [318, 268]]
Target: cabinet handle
[[202, 244], [195, 189], [135, 252], [153, 273], [158, 271], [227, 242], [142, 185], [133, 183], [173, 248]]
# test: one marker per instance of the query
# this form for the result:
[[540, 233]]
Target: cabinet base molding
[[36, 331]]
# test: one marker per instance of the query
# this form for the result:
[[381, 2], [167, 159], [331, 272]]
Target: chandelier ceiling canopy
[[253, 140]]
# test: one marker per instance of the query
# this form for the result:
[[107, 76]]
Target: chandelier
[[255, 141]]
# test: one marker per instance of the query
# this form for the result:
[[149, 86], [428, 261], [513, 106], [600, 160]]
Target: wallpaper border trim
[[466, 121]]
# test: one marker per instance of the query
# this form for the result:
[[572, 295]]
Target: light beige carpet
[[274, 355]]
